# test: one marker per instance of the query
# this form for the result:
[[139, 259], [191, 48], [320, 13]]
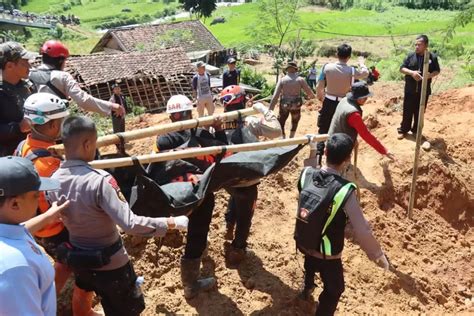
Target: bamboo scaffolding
[[421, 115], [163, 129], [215, 150]]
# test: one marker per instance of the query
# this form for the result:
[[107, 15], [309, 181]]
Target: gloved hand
[[382, 262], [260, 107], [181, 222]]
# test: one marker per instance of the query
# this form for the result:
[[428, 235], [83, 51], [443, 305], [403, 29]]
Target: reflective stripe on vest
[[336, 205]]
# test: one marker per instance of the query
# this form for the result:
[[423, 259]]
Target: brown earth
[[433, 253]]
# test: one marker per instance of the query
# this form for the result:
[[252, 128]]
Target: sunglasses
[[177, 116], [229, 98]]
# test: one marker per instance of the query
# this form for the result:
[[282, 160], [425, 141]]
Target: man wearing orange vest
[[45, 111]]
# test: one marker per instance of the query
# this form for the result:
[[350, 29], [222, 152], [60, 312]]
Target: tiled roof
[[190, 35], [99, 68]]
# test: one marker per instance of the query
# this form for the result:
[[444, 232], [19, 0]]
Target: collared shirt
[[12, 98], [230, 77], [65, 83], [415, 62], [290, 86], [339, 78], [26, 275], [357, 227], [97, 206], [45, 166]]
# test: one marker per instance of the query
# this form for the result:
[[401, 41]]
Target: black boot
[[190, 271]]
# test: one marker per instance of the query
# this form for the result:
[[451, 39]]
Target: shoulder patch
[[116, 187]]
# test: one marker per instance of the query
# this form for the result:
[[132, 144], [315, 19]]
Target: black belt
[[112, 249]]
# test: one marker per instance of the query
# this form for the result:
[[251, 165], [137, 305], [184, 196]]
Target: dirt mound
[[432, 253]]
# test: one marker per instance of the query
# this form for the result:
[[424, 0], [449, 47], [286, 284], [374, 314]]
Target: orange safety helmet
[[232, 95], [54, 49]]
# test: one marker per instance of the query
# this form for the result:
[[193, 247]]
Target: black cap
[[231, 60], [12, 51], [359, 90], [18, 176]]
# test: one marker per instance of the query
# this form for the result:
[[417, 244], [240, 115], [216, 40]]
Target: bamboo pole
[[356, 178], [421, 115], [163, 129], [215, 150]]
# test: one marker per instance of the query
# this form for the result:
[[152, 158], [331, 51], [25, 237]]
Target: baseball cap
[[359, 90], [231, 60], [200, 64], [13, 51], [18, 176]]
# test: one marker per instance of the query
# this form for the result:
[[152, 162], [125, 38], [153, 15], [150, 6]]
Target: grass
[[93, 12]]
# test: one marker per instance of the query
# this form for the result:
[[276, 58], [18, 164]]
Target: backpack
[[322, 196]]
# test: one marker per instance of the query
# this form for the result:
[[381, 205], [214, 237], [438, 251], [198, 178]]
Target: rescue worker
[[118, 122], [346, 210], [179, 108], [232, 75], [14, 89], [243, 199], [201, 85], [289, 88], [334, 83], [26, 275], [412, 68], [46, 112], [348, 118], [51, 77], [96, 253]]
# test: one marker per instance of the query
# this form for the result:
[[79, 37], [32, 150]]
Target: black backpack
[[322, 196]]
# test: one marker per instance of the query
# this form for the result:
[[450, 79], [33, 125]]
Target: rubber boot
[[193, 285]]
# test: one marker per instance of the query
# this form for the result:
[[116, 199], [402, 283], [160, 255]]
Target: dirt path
[[433, 254]]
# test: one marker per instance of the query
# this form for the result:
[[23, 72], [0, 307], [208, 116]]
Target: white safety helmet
[[42, 107], [178, 103]]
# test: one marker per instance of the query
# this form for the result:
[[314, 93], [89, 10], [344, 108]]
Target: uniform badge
[[116, 187]]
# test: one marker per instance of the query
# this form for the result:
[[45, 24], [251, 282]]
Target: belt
[[112, 249], [333, 97]]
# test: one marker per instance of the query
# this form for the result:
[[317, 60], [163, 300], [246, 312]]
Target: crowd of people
[[72, 210], [69, 19]]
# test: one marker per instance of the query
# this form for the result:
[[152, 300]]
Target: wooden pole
[[188, 153], [163, 129], [421, 115]]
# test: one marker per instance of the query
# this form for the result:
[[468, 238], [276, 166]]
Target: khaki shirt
[[70, 87], [97, 206], [339, 78], [290, 86]]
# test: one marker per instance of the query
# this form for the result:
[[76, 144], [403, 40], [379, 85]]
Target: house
[[147, 78], [192, 36]]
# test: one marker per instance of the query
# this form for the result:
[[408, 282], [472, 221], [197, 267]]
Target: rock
[[414, 303], [250, 283], [426, 146]]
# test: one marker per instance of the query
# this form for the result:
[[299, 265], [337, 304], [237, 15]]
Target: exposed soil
[[433, 253]]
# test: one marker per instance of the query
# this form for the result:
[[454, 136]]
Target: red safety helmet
[[54, 49], [232, 95]]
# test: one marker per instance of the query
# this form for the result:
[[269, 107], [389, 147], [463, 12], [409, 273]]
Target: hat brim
[[350, 96], [290, 66], [28, 55], [48, 184]]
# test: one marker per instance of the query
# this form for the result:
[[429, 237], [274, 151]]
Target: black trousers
[[324, 121], [118, 124], [332, 275], [411, 111], [198, 228], [240, 211], [120, 295]]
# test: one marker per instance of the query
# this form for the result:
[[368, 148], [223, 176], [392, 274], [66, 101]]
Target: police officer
[[118, 122], [289, 88], [100, 262], [14, 89], [232, 75], [27, 277], [326, 258], [412, 68], [334, 83], [51, 77]]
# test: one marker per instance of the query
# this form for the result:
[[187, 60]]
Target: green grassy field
[[93, 12]]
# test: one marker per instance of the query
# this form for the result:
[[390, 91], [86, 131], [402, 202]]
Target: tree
[[200, 8]]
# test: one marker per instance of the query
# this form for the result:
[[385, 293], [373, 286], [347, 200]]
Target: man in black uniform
[[232, 75], [14, 89], [412, 68]]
